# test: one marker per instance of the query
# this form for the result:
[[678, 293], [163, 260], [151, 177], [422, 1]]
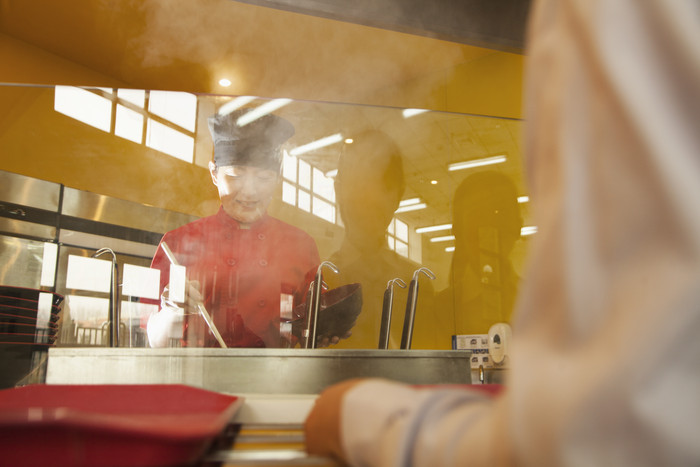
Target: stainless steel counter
[[254, 371]]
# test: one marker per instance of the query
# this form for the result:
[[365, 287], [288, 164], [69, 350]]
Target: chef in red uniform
[[248, 269]]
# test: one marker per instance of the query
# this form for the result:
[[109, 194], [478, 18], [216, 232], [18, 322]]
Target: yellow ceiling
[[189, 45]]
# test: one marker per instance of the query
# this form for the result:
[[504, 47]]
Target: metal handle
[[315, 300], [407, 334], [200, 306], [114, 313], [386, 312]]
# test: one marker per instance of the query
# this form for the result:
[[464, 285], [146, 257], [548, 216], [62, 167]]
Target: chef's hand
[[322, 426], [325, 341], [167, 322], [162, 325]]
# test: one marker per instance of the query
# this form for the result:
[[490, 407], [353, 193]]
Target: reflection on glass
[[85, 106], [129, 124], [483, 282], [169, 140], [177, 107], [353, 219], [369, 186]]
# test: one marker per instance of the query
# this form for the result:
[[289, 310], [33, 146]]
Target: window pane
[[304, 201], [402, 248], [169, 141], [135, 96], [289, 167], [177, 107], [85, 106], [304, 174], [324, 210], [323, 186], [401, 231], [390, 242], [391, 227], [289, 193], [129, 124]]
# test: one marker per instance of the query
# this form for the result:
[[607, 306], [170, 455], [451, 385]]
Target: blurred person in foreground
[[248, 269], [605, 354]]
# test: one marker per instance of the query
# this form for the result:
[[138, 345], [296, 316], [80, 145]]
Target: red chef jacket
[[244, 275]]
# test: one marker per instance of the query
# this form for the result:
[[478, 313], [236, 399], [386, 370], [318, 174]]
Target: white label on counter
[[141, 282], [90, 274]]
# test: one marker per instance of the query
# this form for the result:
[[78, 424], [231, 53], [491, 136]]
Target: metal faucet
[[386, 312], [315, 304], [114, 313], [407, 334]]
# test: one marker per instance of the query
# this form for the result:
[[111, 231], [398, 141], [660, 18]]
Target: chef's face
[[245, 191]]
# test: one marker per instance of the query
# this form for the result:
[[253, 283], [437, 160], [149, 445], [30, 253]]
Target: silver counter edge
[[254, 371]]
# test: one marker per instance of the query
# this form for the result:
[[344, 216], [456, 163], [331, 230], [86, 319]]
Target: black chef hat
[[256, 144]]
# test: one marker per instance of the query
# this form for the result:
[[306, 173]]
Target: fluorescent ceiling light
[[476, 163], [411, 207], [408, 202], [446, 238], [433, 228], [528, 230], [261, 111], [449, 249], [235, 104], [408, 113], [523, 199], [319, 143]]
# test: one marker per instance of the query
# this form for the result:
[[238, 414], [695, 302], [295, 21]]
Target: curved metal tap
[[407, 334], [114, 319], [314, 304], [386, 311]]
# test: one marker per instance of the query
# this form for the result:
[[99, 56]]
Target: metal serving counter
[[279, 386], [254, 371]]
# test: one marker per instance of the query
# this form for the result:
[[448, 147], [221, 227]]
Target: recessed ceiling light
[[225, 82], [411, 207], [433, 182], [261, 111], [476, 163], [235, 104], [408, 202], [349, 141], [408, 113], [434, 228], [319, 143], [446, 238]]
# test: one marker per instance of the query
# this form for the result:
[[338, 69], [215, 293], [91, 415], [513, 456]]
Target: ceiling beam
[[494, 24]]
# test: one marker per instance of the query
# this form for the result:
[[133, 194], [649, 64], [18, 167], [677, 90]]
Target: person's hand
[[161, 326], [325, 341], [322, 426]]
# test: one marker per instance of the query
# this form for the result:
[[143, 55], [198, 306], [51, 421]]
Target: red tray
[[108, 425]]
